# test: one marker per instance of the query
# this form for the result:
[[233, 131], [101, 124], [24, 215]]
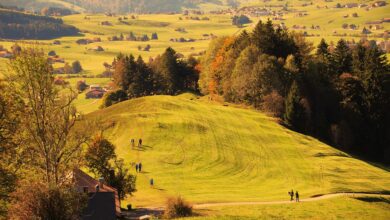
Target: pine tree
[[294, 113], [166, 67], [342, 58], [322, 52], [358, 60]]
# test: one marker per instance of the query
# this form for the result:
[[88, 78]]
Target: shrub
[[177, 207], [34, 200], [52, 53], [113, 97], [76, 66], [274, 104], [81, 85]]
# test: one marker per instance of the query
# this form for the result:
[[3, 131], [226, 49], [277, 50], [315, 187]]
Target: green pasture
[[208, 152], [365, 208], [164, 25]]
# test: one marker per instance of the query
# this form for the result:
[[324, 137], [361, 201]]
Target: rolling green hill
[[209, 152]]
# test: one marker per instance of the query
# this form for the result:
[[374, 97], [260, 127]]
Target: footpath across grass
[[365, 208]]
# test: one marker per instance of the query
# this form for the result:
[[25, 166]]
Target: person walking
[[292, 195], [140, 142], [132, 143], [296, 196], [136, 168], [151, 182], [140, 167]]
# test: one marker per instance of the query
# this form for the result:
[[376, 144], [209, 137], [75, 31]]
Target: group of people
[[292, 195], [133, 143], [138, 167]]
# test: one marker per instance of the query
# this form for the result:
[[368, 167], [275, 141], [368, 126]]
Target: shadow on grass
[[374, 199], [142, 148], [343, 152]]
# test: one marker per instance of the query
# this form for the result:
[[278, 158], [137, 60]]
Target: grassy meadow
[[365, 208], [208, 152]]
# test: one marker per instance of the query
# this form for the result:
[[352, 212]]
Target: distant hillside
[[38, 5], [17, 25], [114, 6], [140, 6]]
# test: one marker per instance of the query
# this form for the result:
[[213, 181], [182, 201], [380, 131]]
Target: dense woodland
[[339, 93], [166, 74], [17, 25]]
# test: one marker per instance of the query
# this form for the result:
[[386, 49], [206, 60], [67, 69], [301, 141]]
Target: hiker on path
[[151, 182], [296, 196], [140, 143], [136, 168], [291, 195], [132, 143], [140, 167]]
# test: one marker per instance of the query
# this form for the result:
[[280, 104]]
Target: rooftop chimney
[[101, 182]]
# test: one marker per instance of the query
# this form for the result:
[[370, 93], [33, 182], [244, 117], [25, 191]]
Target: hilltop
[[18, 25], [208, 152]]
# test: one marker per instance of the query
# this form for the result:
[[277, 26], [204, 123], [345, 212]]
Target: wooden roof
[[83, 180]]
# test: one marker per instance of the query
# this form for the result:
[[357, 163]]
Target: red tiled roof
[[83, 180]]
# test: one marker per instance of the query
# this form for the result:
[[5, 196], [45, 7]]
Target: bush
[[81, 85], [34, 200], [113, 97], [273, 103], [76, 66], [177, 207]]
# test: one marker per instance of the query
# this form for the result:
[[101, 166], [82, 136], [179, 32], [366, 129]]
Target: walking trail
[[321, 197], [146, 212]]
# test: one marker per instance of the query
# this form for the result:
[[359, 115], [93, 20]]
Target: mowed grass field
[[207, 152], [365, 208]]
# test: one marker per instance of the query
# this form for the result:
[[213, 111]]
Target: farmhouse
[[5, 54], [103, 200], [351, 5], [95, 92], [97, 48], [55, 59], [379, 4]]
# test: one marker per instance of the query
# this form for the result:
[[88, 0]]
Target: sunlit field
[[207, 152]]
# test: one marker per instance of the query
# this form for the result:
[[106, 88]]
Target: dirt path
[[311, 199], [145, 213], [327, 196]]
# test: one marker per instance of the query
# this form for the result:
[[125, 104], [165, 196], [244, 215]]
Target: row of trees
[[166, 74], [41, 142], [339, 94], [17, 25]]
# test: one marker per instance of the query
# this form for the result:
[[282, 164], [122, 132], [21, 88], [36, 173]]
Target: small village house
[[103, 200]]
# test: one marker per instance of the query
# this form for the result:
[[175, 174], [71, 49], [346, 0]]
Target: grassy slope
[[207, 152], [339, 208]]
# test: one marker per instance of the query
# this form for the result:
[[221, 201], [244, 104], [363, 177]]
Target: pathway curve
[[147, 212], [326, 196]]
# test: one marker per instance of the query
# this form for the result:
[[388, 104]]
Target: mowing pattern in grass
[[207, 152], [339, 208]]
